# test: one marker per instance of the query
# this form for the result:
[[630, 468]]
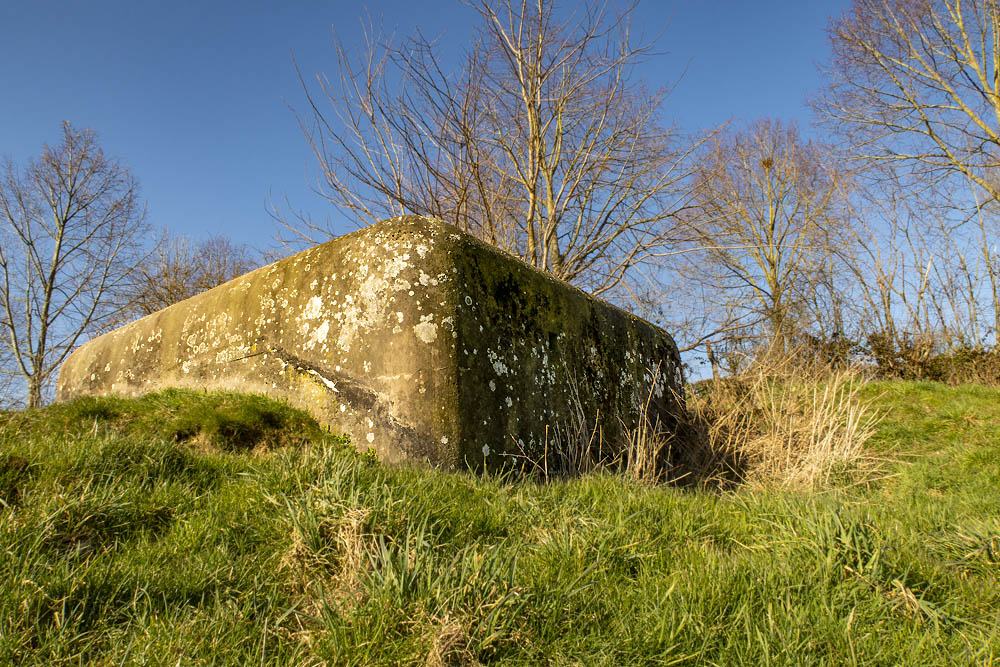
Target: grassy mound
[[220, 529], [218, 421]]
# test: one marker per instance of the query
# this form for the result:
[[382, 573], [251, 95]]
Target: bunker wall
[[413, 338]]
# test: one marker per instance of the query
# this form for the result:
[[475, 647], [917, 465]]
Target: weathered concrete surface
[[410, 336]]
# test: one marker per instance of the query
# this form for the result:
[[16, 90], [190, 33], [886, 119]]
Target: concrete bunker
[[413, 338]]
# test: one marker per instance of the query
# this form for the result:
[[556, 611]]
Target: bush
[[911, 357]]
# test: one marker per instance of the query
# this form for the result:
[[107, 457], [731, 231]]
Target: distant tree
[[180, 267], [72, 228], [767, 230], [542, 143]]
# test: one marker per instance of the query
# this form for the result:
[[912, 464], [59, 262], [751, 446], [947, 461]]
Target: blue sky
[[194, 95]]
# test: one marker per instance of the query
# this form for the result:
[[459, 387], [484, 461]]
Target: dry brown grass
[[328, 555], [778, 423], [577, 445], [450, 645], [646, 453], [781, 423]]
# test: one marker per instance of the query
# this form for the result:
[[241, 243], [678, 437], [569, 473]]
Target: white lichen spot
[[444, 438], [370, 437], [468, 300], [399, 316], [493, 385], [313, 309], [422, 250], [426, 330], [499, 367], [486, 450], [509, 402], [313, 284], [343, 408], [319, 335], [396, 265]]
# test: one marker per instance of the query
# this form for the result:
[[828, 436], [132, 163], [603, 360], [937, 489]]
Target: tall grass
[[122, 543], [777, 423], [781, 423]]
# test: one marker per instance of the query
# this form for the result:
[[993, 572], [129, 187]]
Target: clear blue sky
[[193, 95]]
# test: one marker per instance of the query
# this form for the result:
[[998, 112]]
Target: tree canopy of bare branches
[[542, 142], [768, 228], [914, 89], [918, 82], [72, 227], [180, 268]]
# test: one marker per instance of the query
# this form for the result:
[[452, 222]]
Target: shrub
[[924, 357]]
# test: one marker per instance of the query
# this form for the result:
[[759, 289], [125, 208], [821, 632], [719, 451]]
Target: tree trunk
[[34, 392]]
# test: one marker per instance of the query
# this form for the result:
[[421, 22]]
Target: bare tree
[[73, 229], [180, 267], [543, 143], [9, 396], [918, 82], [915, 91], [767, 236], [921, 278]]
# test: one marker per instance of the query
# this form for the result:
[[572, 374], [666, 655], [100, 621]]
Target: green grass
[[184, 528]]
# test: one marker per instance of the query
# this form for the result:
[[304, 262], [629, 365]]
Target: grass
[[220, 529], [781, 424]]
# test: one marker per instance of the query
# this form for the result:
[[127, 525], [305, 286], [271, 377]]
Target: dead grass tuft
[[328, 555], [782, 424], [777, 423], [450, 646]]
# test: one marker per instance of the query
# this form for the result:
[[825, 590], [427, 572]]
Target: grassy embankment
[[193, 529]]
